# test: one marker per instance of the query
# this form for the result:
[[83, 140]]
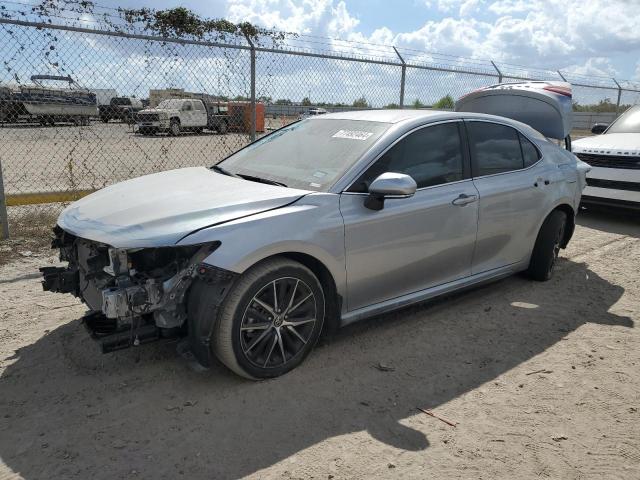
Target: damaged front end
[[134, 295]]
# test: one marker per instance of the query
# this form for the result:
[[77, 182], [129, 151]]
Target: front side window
[[495, 147], [431, 156], [199, 105]]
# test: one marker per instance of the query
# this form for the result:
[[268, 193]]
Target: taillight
[[559, 90]]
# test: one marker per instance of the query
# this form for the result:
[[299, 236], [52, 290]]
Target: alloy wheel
[[278, 322]]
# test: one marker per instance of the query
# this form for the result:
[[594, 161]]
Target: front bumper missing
[[128, 307], [111, 335], [60, 280]]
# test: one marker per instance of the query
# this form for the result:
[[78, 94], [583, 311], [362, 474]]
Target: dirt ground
[[543, 380]]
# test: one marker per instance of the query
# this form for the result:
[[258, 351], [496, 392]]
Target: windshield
[[310, 154], [628, 122], [172, 103]]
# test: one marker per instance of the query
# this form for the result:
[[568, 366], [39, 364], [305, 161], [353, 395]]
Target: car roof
[[414, 116], [398, 115]]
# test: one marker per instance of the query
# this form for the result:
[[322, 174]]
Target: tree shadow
[[68, 411]]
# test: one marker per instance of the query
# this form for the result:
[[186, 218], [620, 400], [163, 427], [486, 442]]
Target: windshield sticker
[[352, 134]]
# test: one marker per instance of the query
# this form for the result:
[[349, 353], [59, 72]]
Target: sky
[[588, 37], [590, 41]]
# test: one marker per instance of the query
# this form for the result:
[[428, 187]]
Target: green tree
[[418, 104], [445, 102], [361, 103], [392, 106], [306, 101], [283, 101]]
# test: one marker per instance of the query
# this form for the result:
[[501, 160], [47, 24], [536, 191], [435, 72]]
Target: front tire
[[547, 246], [270, 320]]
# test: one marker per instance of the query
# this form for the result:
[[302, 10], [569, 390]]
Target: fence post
[[619, 96], [561, 76], [497, 70], [253, 87], [402, 77], [4, 218]]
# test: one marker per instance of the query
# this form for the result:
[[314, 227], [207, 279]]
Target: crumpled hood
[[162, 208], [609, 144]]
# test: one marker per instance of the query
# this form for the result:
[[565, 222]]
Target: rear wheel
[[222, 128], [547, 246], [270, 320], [174, 127]]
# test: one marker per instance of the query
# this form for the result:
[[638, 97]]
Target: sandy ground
[[542, 378]]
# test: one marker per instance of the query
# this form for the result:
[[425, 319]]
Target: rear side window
[[529, 152], [495, 148], [198, 105], [431, 156]]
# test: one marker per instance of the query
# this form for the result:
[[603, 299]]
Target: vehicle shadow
[[68, 411], [610, 219]]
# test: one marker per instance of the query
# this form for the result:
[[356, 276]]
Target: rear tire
[[174, 127], [286, 329], [222, 128], [547, 246]]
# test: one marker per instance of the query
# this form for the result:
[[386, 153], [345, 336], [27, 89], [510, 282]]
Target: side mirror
[[599, 128], [389, 185]]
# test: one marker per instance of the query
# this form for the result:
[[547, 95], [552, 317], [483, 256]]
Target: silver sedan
[[319, 224]]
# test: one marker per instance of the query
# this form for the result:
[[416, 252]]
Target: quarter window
[[431, 156], [495, 147], [529, 152]]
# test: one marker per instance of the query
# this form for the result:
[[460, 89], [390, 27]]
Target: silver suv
[[321, 223]]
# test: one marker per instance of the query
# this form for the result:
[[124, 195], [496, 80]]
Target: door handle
[[464, 199]]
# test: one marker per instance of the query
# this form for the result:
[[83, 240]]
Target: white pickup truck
[[183, 114]]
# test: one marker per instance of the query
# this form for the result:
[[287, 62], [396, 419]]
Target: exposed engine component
[[134, 296]]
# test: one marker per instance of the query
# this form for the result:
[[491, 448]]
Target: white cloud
[[576, 34], [317, 17], [600, 66]]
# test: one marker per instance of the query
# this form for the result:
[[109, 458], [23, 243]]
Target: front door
[[418, 242]]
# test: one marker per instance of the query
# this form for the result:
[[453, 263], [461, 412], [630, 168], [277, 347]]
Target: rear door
[[418, 242], [511, 183]]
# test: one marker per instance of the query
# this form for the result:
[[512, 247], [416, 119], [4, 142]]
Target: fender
[[312, 226]]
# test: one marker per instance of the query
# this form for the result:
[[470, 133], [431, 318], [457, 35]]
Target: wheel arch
[[333, 300], [570, 222]]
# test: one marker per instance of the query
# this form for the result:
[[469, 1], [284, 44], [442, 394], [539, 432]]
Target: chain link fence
[[83, 108]]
